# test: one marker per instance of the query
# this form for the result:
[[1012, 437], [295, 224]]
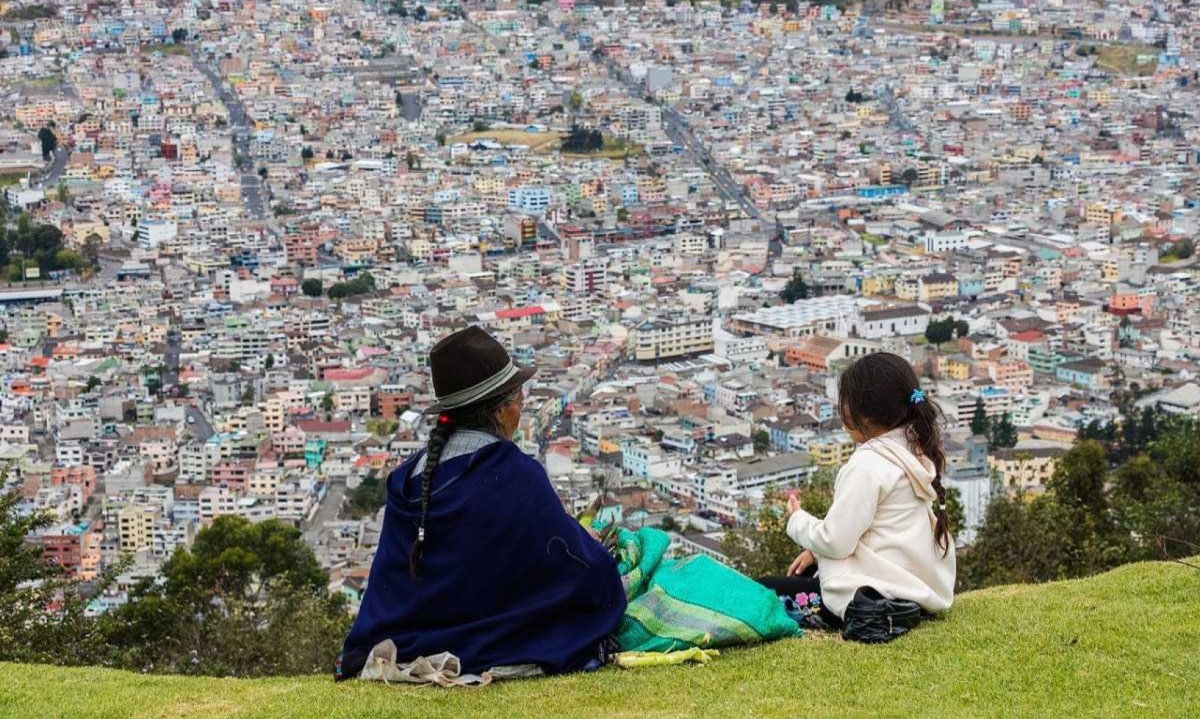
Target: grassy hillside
[[1123, 644]]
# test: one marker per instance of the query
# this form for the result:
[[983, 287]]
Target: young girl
[[887, 526]]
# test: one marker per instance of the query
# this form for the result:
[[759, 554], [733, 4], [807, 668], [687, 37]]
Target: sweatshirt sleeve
[[854, 501]]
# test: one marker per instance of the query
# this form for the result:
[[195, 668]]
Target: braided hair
[[479, 416], [881, 390]]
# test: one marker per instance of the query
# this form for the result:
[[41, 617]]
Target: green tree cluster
[[944, 330], [38, 246], [41, 611], [246, 600], [312, 287], [582, 140], [796, 289], [1003, 434], [362, 284], [366, 499], [1093, 517], [49, 142]]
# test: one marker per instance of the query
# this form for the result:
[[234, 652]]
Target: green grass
[[1123, 644], [1123, 59], [166, 48]]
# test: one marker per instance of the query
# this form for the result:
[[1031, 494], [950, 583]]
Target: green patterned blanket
[[694, 602]]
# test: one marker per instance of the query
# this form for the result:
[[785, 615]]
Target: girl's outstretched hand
[[793, 504], [801, 563]]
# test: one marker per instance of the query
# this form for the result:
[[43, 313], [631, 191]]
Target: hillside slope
[[1123, 644]]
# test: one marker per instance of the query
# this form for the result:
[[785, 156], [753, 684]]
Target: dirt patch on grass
[[536, 141]]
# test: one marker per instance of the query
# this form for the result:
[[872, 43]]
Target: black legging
[[807, 583]]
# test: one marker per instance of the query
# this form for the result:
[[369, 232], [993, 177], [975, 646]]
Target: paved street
[[328, 510], [681, 133], [240, 130]]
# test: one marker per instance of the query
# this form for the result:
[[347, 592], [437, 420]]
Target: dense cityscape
[[234, 229]]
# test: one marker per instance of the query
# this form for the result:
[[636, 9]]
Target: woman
[[477, 557]]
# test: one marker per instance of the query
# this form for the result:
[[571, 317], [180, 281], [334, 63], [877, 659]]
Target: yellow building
[[1028, 469], [879, 285], [956, 367], [135, 527], [831, 451], [936, 286], [1101, 214], [1110, 271]]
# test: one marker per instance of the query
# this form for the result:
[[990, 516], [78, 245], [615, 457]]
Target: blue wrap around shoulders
[[508, 577]]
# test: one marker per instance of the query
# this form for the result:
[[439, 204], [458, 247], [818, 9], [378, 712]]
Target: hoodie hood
[[893, 446]]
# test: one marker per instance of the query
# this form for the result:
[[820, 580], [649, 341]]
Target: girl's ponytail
[[925, 431]]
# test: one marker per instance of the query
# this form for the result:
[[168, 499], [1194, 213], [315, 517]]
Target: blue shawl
[[507, 576]]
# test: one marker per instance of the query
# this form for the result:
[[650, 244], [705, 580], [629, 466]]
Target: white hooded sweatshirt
[[879, 530]]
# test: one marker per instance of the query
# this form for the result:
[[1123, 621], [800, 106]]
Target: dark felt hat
[[470, 366]]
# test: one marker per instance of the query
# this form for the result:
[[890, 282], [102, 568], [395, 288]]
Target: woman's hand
[[793, 504], [801, 564], [608, 538]]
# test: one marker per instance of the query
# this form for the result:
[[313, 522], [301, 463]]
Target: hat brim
[[521, 377]]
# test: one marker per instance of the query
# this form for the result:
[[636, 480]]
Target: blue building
[[970, 286], [881, 191], [530, 200]]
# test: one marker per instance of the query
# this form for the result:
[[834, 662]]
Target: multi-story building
[[671, 336]]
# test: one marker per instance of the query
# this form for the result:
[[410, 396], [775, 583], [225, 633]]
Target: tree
[[421, 14], [246, 600], [762, 440], [1185, 248], [62, 193], [92, 383], [262, 172], [480, 126], [269, 362], [248, 396], [42, 611], [1163, 509], [796, 289], [576, 100], [1004, 433], [979, 420], [411, 160], [910, 176], [327, 404], [944, 330], [306, 153], [312, 287], [26, 589], [1020, 540], [179, 35], [49, 142], [361, 284], [366, 499]]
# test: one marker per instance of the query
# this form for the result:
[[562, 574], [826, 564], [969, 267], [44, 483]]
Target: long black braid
[[481, 416], [438, 438]]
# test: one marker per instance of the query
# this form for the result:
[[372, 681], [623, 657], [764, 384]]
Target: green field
[[1123, 644], [1123, 59]]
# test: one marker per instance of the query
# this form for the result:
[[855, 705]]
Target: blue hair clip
[[917, 396]]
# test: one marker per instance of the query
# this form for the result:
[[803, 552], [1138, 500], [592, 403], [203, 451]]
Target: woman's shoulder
[[507, 452]]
